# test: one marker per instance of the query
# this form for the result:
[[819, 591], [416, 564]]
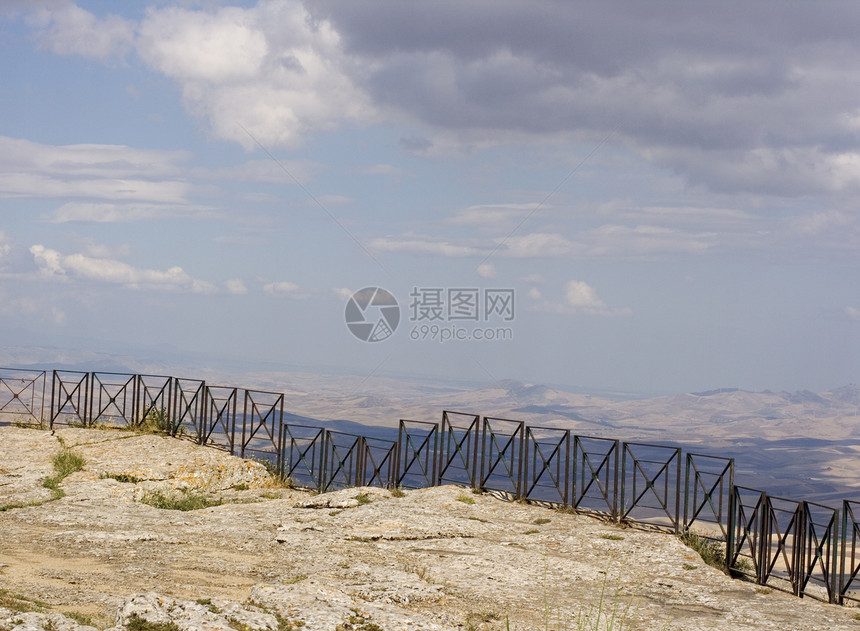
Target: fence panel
[[595, 476], [458, 453], [112, 399], [849, 563], [746, 551], [651, 485], [546, 465], [342, 460], [378, 465], [502, 456], [154, 397], [262, 419], [22, 394], [70, 392], [188, 411], [417, 457], [302, 455], [707, 492], [782, 537], [219, 417], [818, 567]]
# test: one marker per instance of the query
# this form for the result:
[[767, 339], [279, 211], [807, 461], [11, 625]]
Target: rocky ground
[[363, 559]]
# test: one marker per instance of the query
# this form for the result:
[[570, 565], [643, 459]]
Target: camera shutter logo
[[372, 314]]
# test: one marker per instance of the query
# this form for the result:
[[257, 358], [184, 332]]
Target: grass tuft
[[466, 499], [136, 623], [398, 491], [182, 500], [711, 551]]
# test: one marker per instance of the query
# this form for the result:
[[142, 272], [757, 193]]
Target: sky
[[642, 197]]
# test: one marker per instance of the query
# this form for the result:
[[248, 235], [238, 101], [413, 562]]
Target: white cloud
[[74, 31], [285, 288], [580, 298], [235, 286], [852, 312], [342, 292], [382, 169], [85, 212], [421, 245], [52, 264], [221, 47], [486, 270], [820, 221], [269, 69], [492, 216], [612, 240], [536, 245]]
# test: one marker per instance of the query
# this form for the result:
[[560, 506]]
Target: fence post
[[799, 559], [763, 539], [730, 527]]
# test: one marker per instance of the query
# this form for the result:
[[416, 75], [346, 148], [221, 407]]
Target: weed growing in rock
[[80, 618], [363, 498], [158, 421], [540, 521], [476, 619], [136, 623], [711, 551], [21, 604], [398, 491], [466, 499], [125, 478], [66, 462], [181, 499], [611, 537]]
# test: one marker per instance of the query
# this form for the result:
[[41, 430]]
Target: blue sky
[[669, 191]]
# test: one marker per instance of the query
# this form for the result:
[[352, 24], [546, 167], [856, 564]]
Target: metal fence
[[801, 547]]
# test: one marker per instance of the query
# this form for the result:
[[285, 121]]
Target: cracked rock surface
[[277, 558]]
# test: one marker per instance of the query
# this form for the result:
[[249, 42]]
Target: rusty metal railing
[[801, 547]]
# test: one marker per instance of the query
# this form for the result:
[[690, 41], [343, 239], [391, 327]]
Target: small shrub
[[540, 521], [67, 462], [612, 537], [21, 604], [182, 500], [125, 478], [158, 421], [466, 499], [711, 551], [763, 590], [398, 491], [363, 498], [80, 618], [136, 623], [239, 626]]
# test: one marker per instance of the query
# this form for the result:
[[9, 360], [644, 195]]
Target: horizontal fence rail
[[801, 547]]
